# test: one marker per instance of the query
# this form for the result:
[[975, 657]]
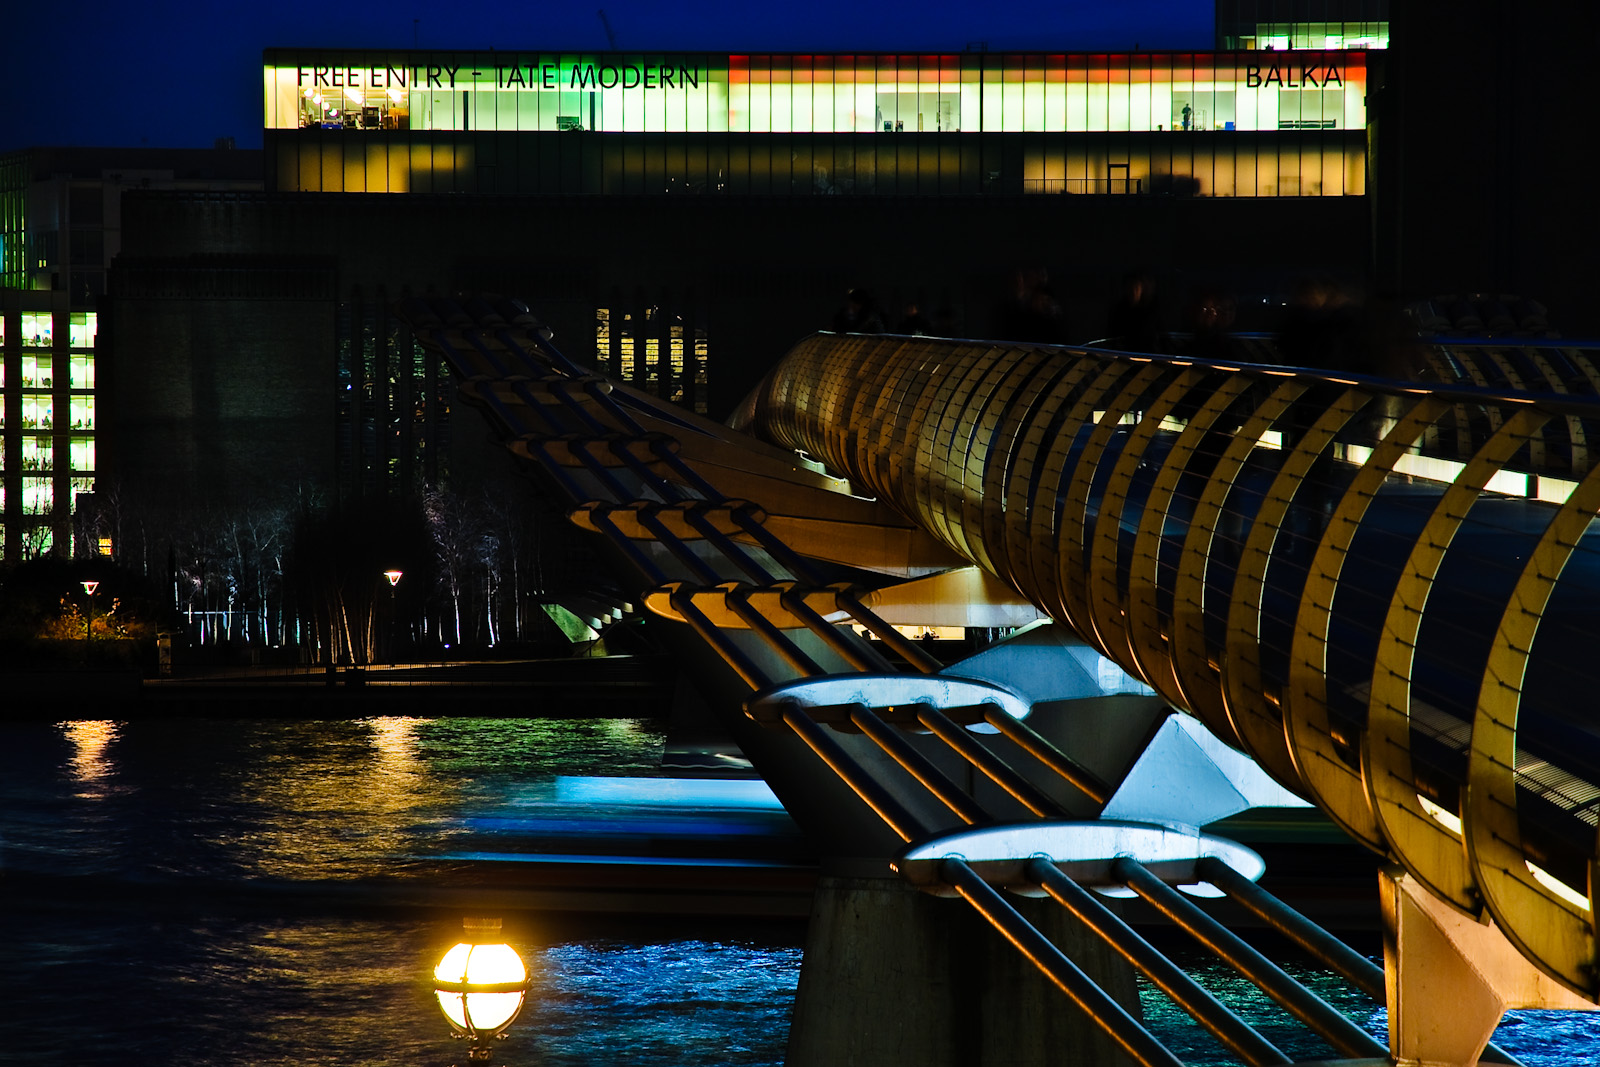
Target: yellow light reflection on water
[[341, 799], [363, 781], [90, 765]]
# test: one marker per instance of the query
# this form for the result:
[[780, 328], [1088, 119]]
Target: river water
[[215, 891]]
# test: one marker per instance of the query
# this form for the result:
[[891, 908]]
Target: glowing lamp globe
[[480, 984]]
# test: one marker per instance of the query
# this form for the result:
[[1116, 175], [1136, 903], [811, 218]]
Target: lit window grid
[[33, 366], [986, 92], [1355, 36], [602, 338], [38, 413], [702, 352]]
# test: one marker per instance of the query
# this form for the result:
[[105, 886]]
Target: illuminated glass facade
[[1283, 25], [47, 421], [1283, 36], [655, 350], [1244, 123]]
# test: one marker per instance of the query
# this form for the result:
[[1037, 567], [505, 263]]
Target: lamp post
[[480, 984], [393, 574], [88, 630]]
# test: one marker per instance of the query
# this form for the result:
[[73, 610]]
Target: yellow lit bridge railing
[[1386, 592]]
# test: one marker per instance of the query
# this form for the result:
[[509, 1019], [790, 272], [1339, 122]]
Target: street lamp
[[480, 985], [88, 630], [393, 574]]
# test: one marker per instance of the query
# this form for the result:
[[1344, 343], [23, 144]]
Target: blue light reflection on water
[[680, 1002], [109, 988], [132, 861], [1538, 1038], [147, 959]]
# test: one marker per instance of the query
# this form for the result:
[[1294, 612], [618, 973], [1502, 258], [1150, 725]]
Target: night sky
[[179, 75]]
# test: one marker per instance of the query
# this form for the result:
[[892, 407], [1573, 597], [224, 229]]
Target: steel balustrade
[[1345, 576], [1227, 532]]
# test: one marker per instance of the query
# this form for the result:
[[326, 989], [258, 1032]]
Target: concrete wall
[[762, 272], [1486, 160], [218, 384], [892, 975]]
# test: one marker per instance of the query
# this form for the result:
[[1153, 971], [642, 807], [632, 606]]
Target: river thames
[[226, 891]]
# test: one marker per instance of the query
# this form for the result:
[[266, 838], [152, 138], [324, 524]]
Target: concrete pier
[[892, 975]]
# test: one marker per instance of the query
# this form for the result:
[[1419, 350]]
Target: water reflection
[[664, 1003], [89, 763], [1537, 1038], [110, 986], [286, 800], [136, 932]]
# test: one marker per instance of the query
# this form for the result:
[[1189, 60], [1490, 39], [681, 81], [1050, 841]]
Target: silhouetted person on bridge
[[1134, 321], [1032, 312], [914, 322], [1210, 325], [859, 314]]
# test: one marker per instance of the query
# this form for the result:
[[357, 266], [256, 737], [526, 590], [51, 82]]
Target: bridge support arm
[[1449, 979], [1123, 1028]]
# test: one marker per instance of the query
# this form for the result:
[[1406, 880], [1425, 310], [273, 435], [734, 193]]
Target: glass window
[[38, 328], [35, 539], [739, 94], [82, 454], [82, 327], [971, 98], [802, 81], [36, 453], [781, 89], [37, 413], [36, 496], [1098, 112], [706, 98], [36, 373]]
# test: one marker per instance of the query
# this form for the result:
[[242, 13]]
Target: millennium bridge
[[1210, 586]]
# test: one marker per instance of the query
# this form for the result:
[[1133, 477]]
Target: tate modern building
[[1228, 124]]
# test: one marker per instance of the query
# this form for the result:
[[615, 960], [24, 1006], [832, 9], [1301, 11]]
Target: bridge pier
[[894, 975], [1450, 978]]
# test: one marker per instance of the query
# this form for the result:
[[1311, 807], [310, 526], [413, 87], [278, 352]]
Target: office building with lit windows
[[679, 219], [60, 229], [1226, 124], [47, 413]]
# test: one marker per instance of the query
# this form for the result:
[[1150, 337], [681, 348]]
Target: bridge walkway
[[1195, 524]]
